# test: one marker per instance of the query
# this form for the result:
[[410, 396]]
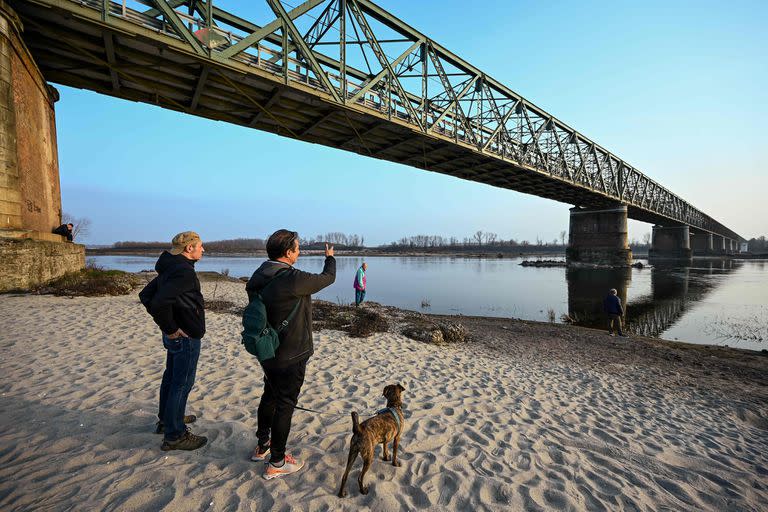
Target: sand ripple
[[485, 430]]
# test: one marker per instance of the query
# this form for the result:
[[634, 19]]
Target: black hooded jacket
[[292, 285], [612, 305], [173, 298]]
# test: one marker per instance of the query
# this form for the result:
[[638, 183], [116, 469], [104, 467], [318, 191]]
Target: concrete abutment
[[30, 196]]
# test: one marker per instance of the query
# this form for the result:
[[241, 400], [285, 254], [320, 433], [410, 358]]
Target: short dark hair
[[280, 242], [70, 224]]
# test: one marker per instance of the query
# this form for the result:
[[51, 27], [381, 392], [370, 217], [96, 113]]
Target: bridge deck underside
[[80, 53]]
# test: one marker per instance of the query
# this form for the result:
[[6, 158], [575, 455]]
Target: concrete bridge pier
[[30, 198], [670, 243], [718, 244], [702, 244], [598, 238]]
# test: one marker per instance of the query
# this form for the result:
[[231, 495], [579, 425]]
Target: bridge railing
[[356, 54]]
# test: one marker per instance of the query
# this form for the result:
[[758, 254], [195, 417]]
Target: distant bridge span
[[345, 74]]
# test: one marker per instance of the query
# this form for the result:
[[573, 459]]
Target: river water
[[722, 302]]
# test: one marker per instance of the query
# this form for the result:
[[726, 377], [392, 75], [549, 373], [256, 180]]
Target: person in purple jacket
[[360, 284]]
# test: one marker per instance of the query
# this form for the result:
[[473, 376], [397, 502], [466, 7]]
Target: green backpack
[[259, 338]]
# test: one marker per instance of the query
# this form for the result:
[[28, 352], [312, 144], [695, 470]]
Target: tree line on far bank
[[489, 242], [757, 245], [244, 245], [233, 245], [480, 241]]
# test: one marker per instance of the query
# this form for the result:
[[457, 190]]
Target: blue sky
[[676, 89]]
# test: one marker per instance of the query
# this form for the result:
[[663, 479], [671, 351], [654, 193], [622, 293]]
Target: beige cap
[[182, 240]]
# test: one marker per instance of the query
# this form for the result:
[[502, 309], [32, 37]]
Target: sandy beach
[[524, 416]]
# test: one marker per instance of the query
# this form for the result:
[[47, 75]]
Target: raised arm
[[307, 284]]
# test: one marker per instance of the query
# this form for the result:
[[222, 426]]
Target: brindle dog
[[382, 428]]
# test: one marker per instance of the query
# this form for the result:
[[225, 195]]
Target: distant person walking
[[65, 230], [176, 304], [284, 374], [359, 284], [612, 307]]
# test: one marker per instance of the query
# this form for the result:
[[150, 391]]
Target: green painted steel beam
[[375, 80], [308, 54], [179, 27], [153, 13], [260, 33]]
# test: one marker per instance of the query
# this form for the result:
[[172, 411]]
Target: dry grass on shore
[[90, 282]]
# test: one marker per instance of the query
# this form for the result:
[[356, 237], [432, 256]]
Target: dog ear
[[386, 390], [401, 388]]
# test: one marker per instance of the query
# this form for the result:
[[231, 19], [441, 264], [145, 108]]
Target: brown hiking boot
[[160, 427], [188, 441]]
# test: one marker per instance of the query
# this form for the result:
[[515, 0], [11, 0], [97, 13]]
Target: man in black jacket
[[284, 374], [612, 307], [176, 304]]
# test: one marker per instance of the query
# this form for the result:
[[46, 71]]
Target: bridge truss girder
[[344, 73]]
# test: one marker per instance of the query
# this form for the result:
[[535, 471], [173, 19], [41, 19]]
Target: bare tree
[[81, 225], [562, 237], [478, 237], [490, 238], [647, 238]]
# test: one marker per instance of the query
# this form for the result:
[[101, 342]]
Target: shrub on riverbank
[[91, 282], [359, 322], [224, 306], [436, 333], [366, 322]]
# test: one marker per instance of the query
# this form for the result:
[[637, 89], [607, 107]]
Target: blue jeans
[[359, 296], [179, 377]]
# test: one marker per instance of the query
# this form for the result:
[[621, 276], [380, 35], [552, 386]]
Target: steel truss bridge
[[345, 74]]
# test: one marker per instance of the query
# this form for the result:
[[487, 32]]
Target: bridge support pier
[[702, 244], [30, 197], [670, 243], [598, 238], [718, 244]]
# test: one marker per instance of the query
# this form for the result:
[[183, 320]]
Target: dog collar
[[392, 411]]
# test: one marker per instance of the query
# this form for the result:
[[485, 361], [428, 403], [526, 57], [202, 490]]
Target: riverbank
[[522, 416], [477, 253]]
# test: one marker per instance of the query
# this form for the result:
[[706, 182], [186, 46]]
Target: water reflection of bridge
[[673, 291]]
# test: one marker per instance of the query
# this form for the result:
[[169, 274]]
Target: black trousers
[[281, 393]]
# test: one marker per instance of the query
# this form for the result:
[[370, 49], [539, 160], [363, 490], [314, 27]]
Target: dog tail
[[355, 423]]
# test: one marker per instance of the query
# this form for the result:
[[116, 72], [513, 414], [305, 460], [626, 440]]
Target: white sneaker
[[290, 465]]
